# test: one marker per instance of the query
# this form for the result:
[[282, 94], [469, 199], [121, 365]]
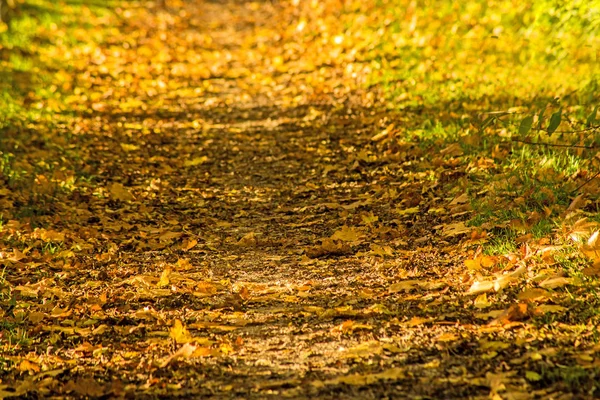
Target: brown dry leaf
[[248, 240], [120, 193], [516, 312], [188, 244], [36, 317], [17, 255], [345, 327], [594, 270], [85, 387], [381, 251], [462, 199], [329, 247], [167, 236], [452, 150], [404, 286], [454, 229], [577, 203], [244, 293], [386, 133]]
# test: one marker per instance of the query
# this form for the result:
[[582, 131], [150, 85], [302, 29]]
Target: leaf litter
[[253, 226]]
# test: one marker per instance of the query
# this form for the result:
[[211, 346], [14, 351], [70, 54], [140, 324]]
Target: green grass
[[572, 378], [449, 64]]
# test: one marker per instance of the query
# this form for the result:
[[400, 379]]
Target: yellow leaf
[[195, 161], [120, 193], [416, 321], [533, 294], [183, 264], [179, 333], [553, 283], [203, 352], [407, 211], [447, 337], [532, 376], [248, 240], [52, 236], [550, 308], [365, 349], [28, 366], [164, 278], [169, 236], [493, 345], [381, 251], [347, 234], [482, 301], [368, 379], [473, 265], [129, 147]]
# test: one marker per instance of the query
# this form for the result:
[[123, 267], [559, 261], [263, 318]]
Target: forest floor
[[206, 211]]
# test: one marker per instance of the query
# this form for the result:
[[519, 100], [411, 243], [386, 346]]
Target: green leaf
[[555, 121], [541, 117], [532, 376], [525, 126], [591, 119]]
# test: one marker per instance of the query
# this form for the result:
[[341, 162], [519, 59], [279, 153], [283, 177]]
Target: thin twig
[[576, 146], [597, 174]]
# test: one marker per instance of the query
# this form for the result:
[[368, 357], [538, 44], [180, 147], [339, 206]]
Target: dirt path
[[251, 240]]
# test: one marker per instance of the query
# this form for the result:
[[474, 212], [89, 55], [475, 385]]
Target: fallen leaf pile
[[218, 199]]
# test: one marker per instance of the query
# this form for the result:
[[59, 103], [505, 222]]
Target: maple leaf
[[347, 234]]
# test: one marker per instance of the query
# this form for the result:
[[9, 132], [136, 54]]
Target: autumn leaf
[[347, 234], [179, 333], [185, 351], [454, 229], [164, 280], [195, 161], [119, 192]]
